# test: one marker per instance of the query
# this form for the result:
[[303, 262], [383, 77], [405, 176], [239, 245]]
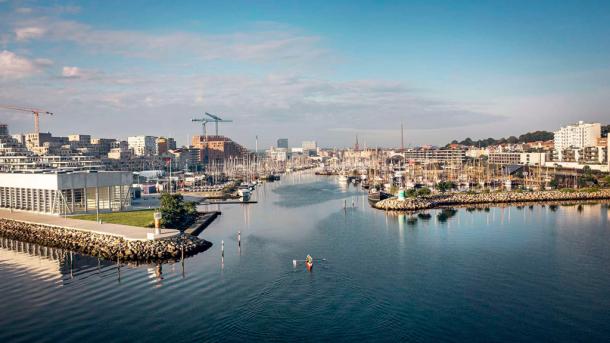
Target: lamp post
[[97, 196]]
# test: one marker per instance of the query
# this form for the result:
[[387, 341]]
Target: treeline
[[524, 138]]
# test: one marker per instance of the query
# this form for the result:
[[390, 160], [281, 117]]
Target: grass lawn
[[142, 218]]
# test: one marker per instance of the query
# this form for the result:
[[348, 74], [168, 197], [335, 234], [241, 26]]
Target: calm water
[[511, 274]]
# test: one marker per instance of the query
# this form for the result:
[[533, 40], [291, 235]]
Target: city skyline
[[314, 71]]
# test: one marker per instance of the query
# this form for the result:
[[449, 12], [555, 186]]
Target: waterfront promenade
[[128, 233]]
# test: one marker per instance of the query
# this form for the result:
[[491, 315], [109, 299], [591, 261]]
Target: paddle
[[294, 262]]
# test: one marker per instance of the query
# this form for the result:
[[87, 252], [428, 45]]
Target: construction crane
[[216, 120], [203, 122], [35, 111]]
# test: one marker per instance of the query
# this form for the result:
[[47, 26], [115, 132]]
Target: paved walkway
[[130, 233]]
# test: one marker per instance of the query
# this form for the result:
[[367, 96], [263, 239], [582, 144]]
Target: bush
[[424, 191]]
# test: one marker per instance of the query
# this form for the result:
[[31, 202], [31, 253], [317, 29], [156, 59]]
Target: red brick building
[[217, 148]]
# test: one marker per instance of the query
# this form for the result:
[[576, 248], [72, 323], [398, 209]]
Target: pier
[[107, 241], [126, 232]]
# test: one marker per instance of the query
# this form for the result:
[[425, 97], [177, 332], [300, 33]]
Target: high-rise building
[[4, 130], [162, 147], [143, 145], [282, 143], [579, 135]]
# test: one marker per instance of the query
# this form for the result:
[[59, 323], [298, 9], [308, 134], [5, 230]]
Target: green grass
[[142, 218]]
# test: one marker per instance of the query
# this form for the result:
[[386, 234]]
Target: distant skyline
[[309, 70]]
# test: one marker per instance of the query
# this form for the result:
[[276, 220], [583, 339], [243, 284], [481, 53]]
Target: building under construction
[[215, 149]]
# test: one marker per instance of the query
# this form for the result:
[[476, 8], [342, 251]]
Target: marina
[[304, 171], [424, 274]]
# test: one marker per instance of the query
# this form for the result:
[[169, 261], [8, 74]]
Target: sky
[[306, 70]]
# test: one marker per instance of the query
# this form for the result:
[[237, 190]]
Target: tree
[[175, 212], [524, 138], [444, 186]]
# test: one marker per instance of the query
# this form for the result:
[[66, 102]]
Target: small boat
[[244, 192], [375, 196], [343, 179], [309, 262]]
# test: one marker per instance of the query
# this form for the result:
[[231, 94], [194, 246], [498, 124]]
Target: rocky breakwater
[[103, 246], [414, 204], [408, 204]]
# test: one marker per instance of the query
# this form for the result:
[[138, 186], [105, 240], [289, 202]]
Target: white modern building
[[521, 158], [143, 145], [578, 135], [309, 145], [61, 193]]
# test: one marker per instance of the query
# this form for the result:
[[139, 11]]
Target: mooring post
[[239, 238], [222, 247]]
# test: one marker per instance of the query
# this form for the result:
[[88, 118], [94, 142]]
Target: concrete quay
[[126, 232]]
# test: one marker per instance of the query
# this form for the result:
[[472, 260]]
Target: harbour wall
[[103, 246]]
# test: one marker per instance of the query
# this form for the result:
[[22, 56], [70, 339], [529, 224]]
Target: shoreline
[[488, 199]]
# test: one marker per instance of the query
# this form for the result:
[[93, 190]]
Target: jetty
[[491, 198], [202, 222], [229, 202], [107, 241]]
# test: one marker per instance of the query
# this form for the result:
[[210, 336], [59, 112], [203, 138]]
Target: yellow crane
[[35, 111]]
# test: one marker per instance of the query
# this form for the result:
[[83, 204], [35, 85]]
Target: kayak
[[309, 265]]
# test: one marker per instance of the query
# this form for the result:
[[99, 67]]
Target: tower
[[402, 138]]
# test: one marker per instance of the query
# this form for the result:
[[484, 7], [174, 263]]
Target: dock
[[204, 220], [229, 202]]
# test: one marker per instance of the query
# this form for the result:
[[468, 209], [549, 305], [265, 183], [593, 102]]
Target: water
[[506, 274]]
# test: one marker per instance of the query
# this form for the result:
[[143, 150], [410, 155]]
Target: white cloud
[[71, 72], [269, 46], [27, 33], [14, 67]]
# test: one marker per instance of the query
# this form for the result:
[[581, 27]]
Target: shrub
[[424, 191]]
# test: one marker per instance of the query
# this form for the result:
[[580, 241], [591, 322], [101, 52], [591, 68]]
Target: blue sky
[[307, 70]]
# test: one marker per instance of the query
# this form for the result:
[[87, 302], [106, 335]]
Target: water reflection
[[445, 214], [299, 195], [424, 216], [65, 266]]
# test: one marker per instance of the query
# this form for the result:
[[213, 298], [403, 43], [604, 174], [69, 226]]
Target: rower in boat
[[309, 262]]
